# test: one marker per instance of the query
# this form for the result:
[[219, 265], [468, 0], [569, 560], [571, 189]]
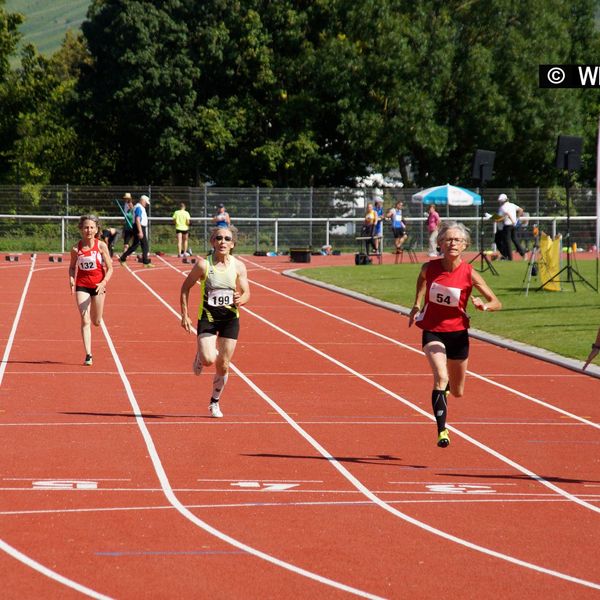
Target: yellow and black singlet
[[217, 292]]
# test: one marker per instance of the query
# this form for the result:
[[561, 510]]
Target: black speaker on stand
[[568, 159], [483, 168]]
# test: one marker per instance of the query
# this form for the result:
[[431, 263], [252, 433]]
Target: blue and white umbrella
[[447, 194]]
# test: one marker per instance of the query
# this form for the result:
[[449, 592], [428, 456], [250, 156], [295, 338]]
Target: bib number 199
[[220, 297]]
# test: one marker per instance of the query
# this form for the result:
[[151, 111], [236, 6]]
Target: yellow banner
[[549, 265]]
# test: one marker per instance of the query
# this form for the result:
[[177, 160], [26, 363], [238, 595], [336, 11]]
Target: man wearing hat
[[140, 228], [508, 214]]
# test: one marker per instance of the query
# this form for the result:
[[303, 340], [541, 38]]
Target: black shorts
[[398, 232], [227, 329], [186, 232], [87, 290], [455, 342]]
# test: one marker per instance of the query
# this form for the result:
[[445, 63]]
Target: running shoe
[[88, 360], [197, 366], [149, 265], [443, 439], [214, 410]]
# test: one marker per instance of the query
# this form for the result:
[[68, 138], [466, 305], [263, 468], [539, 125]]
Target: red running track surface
[[323, 479]]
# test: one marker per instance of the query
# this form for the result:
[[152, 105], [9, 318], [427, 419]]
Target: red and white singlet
[[446, 298], [89, 266]]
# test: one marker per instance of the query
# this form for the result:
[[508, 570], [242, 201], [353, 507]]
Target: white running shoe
[[197, 366], [214, 410]]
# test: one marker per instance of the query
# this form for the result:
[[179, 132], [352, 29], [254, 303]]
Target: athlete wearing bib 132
[[89, 271], [443, 288], [225, 288]]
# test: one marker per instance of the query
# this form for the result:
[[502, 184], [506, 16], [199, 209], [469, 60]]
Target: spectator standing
[[221, 218], [128, 232], [368, 228], [141, 231], [378, 232], [433, 225], [182, 220], [509, 214], [398, 225]]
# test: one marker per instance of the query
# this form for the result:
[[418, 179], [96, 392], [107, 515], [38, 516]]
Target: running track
[[322, 481]]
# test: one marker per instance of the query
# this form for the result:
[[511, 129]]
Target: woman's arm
[[196, 274], [419, 294], [492, 303]]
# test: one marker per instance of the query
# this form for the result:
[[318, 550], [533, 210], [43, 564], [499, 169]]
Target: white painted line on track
[[374, 498], [13, 331], [427, 415], [413, 349], [4, 546], [181, 508]]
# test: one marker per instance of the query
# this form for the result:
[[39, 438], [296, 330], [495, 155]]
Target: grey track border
[[520, 347]]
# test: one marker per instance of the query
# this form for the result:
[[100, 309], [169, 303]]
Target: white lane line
[[429, 416], [496, 499], [413, 349], [375, 499], [183, 510], [13, 331], [4, 546]]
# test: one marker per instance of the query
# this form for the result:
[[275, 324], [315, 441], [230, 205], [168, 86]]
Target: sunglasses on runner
[[220, 238]]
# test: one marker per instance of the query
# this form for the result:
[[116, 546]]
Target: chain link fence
[[36, 218]]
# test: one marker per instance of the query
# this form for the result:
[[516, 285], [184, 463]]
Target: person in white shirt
[[508, 215]]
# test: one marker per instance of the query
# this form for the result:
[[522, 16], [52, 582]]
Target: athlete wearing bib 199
[[225, 287], [217, 312]]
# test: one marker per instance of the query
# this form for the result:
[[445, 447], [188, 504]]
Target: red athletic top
[[89, 266], [446, 298]]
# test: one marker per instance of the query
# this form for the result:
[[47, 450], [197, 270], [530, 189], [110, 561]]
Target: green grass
[[47, 21], [563, 322]]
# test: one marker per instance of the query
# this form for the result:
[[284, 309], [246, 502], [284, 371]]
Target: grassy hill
[[46, 21]]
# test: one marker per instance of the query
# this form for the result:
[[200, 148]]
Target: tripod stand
[[482, 170], [571, 273], [535, 257]]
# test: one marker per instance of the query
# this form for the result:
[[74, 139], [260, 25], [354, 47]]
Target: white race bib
[[220, 297], [87, 263], [446, 296]]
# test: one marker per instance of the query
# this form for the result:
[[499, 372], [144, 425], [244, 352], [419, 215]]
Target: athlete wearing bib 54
[[443, 289], [225, 288], [90, 270]]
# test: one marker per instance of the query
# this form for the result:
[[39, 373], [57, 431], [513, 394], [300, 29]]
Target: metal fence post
[[67, 210], [276, 235], [310, 214], [257, 217]]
